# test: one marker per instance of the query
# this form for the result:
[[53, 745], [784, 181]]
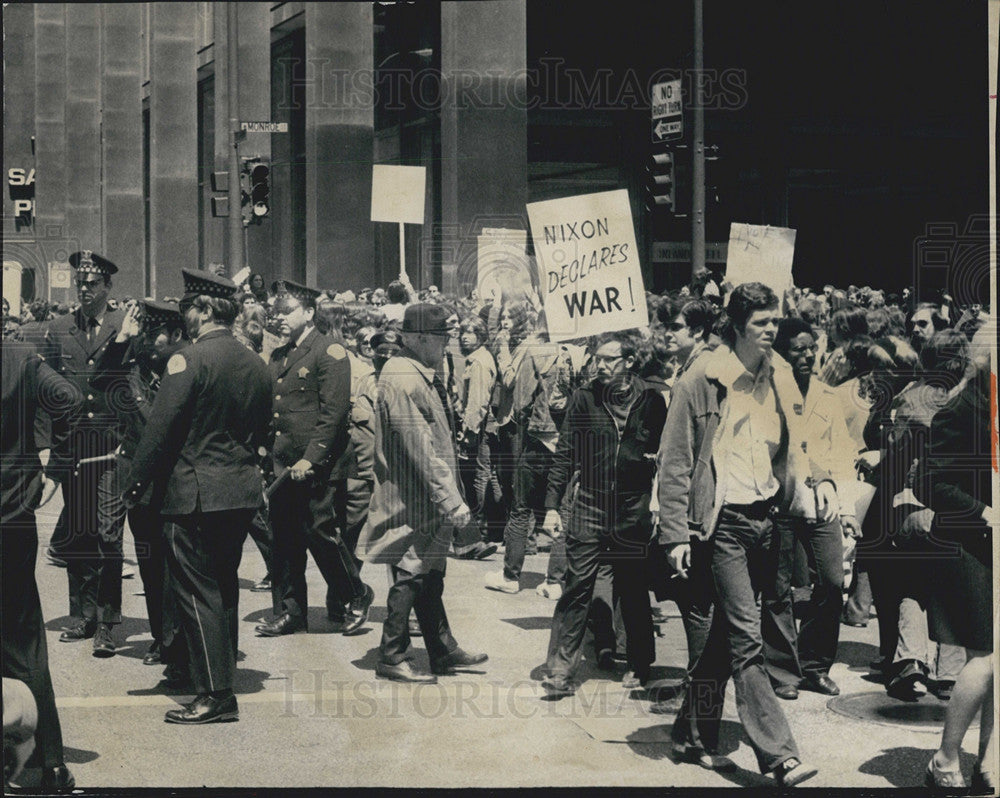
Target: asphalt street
[[313, 714]]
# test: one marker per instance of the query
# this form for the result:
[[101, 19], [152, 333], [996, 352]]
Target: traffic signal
[[255, 185], [661, 182]]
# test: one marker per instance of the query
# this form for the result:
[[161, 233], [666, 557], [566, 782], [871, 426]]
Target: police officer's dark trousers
[[203, 553], [25, 654], [304, 517]]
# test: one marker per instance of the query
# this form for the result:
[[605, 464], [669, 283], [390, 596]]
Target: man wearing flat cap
[[417, 501], [200, 451], [91, 523], [130, 369], [311, 377]]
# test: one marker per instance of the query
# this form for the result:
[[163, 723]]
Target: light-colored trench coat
[[416, 474]]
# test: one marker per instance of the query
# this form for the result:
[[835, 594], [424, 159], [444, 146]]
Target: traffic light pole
[[698, 156], [233, 99]]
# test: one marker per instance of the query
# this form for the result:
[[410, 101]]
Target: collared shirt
[[92, 325], [755, 432]]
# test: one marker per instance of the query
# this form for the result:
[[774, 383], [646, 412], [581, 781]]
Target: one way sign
[[667, 111]]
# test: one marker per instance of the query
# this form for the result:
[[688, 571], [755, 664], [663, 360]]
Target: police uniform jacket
[[208, 420], [130, 387], [29, 383], [69, 353], [312, 402]]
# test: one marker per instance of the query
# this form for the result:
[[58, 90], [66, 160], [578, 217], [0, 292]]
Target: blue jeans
[[743, 569], [819, 631]]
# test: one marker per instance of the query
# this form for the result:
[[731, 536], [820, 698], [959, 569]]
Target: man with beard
[[200, 449], [312, 451], [92, 518], [609, 437], [130, 370]]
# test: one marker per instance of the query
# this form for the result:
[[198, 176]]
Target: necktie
[[91, 330]]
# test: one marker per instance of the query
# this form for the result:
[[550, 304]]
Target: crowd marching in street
[[743, 446]]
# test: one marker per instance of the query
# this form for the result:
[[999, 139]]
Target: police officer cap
[[297, 290], [87, 262], [199, 283], [386, 342], [425, 318], [160, 314]]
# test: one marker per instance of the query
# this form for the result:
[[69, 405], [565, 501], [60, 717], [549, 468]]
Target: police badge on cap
[[88, 262]]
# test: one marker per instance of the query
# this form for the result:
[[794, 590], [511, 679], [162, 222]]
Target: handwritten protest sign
[[504, 267], [761, 254], [398, 193], [588, 264]]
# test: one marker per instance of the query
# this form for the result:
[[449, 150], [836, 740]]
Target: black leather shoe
[[104, 642], [205, 709], [943, 689], [357, 613], [789, 692], [52, 780], [263, 586], [403, 672], [606, 660], [478, 551], [81, 630], [820, 683], [284, 624], [457, 660], [792, 772], [153, 655], [557, 687], [413, 627]]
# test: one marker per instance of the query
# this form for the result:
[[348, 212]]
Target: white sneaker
[[550, 590], [498, 581]]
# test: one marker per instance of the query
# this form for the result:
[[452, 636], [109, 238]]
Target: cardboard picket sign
[[589, 273], [760, 254], [398, 193], [503, 272]]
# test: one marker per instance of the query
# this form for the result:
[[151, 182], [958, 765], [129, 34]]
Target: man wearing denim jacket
[[732, 454]]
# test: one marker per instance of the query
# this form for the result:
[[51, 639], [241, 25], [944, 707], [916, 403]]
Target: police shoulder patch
[[176, 364], [336, 351]]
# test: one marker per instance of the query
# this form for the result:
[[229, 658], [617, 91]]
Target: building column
[[484, 126], [173, 146], [121, 146], [340, 121], [53, 244], [19, 125], [83, 125]]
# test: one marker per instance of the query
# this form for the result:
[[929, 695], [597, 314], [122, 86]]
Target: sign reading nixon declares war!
[[588, 264]]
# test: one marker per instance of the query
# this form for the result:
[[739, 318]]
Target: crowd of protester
[[863, 483]]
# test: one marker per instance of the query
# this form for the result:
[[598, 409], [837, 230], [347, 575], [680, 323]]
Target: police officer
[[92, 516], [200, 450], [311, 455], [129, 370], [29, 383]]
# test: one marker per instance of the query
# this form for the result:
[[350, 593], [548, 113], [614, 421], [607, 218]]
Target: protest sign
[[503, 266], [398, 193], [760, 254], [588, 264]]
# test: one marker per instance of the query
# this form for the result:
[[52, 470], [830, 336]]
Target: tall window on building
[[288, 157]]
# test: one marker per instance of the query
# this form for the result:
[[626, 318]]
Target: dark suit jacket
[[29, 384], [95, 427], [312, 400], [957, 482], [207, 423]]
